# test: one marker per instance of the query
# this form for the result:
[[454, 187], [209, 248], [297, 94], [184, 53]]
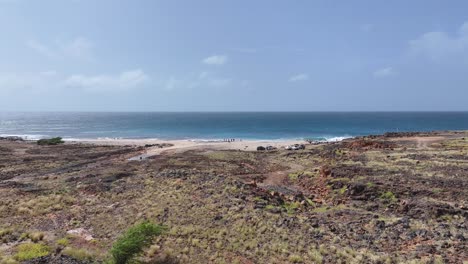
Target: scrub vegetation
[[396, 198]]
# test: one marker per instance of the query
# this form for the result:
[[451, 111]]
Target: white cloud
[[28, 81], [384, 72], [120, 82], [46, 80], [126, 80], [464, 29], [78, 48], [218, 82], [41, 48], [299, 77], [203, 75], [438, 44], [215, 60], [209, 79], [172, 83], [201, 80]]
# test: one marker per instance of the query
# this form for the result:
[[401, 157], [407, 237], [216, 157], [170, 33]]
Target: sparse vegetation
[[293, 176], [133, 241], [296, 259], [235, 206], [4, 234], [28, 251], [50, 141], [63, 242], [36, 236], [388, 197], [80, 254]]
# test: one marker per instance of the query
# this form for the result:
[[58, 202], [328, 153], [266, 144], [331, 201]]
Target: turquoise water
[[217, 126]]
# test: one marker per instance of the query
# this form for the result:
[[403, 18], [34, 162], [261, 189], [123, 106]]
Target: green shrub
[[63, 242], [294, 176], [81, 254], [8, 260], [133, 241], [36, 237], [296, 259], [5, 232], [388, 197], [291, 207], [31, 251], [50, 141]]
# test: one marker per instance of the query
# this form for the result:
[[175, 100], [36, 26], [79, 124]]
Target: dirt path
[[420, 142], [278, 178]]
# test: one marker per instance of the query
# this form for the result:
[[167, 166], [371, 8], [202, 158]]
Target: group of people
[[229, 140]]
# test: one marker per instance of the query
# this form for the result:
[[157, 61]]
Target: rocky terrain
[[396, 198]]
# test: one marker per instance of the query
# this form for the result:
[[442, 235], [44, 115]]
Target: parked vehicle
[[270, 148], [260, 148], [295, 147]]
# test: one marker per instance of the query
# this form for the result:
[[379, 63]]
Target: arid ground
[[396, 198]]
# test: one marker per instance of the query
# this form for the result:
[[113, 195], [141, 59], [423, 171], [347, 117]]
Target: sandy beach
[[184, 145]]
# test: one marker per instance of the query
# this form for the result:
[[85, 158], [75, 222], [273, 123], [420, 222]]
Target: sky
[[233, 55]]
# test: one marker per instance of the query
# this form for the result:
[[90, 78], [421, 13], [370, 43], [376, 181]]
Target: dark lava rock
[[314, 223], [417, 233], [55, 260], [275, 210], [12, 138], [174, 173], [260, 205], [282, 190], [380, 224], [357, 189], [162, 145], [400, 134], [218, 217], [405, 222], [72, 179], [116, 177]]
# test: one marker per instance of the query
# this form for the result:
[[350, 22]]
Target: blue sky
[[215, 55]]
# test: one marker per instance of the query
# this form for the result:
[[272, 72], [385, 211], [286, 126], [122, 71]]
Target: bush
[[36, 237], [31, 251], [388, 197], [50, 141], [80, 254], [7, 260], [63, 242], [133, 241]]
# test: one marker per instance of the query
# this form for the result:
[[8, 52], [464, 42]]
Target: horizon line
[[262, 111]]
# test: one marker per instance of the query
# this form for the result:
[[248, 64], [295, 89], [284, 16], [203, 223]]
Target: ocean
[[326, 126]]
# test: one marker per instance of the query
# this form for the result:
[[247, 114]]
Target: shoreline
[[325, 138], [177, 145], [181, 144], [188, 144]]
